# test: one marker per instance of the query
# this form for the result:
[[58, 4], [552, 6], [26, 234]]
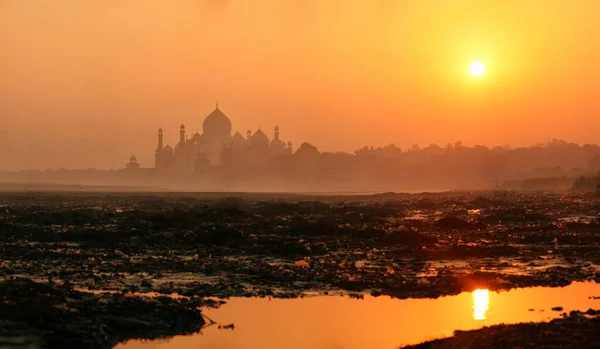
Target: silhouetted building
[[133, 163], [217, 147]]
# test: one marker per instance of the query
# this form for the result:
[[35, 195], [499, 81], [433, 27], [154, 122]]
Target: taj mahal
[[216, 146]]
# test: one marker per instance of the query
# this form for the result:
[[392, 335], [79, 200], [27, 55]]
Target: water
[[334, 322]]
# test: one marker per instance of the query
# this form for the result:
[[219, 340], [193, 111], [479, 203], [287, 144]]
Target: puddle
[[330, 322], [417, 216], [578, 219], [506, 266], [131, 294]]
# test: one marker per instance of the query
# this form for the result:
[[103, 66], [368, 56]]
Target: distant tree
[[306, 160], [393, 151], [307, 149], [594, 164]]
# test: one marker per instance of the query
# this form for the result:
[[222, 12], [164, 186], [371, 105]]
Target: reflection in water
[[374, 322], [481, 301]]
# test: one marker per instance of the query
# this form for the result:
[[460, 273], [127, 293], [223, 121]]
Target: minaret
[[276, 133], [160, 138], [157, 160], [248, 136], [182, 134]]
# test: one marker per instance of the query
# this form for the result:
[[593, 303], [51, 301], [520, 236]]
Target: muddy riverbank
[[60, 317], [402, 245], [577, 330]]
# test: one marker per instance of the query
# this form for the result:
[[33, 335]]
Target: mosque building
[[215, 144]]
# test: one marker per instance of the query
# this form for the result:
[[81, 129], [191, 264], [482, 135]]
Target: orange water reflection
[[375, 322], [481, 303]]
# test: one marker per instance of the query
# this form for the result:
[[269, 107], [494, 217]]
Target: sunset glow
[[324, 69], [327, 167], [477, 68], [481, 302]]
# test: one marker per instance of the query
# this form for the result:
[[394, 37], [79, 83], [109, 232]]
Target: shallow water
[[334, 322]]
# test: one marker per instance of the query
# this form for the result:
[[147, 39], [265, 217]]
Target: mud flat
[[200, 246], [40, 315], [577, 330]]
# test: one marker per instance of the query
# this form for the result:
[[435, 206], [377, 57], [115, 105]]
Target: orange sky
[[87, 83]]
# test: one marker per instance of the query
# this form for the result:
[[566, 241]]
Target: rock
[[451, 222], [404, 235], [17, 343], [302, 264]]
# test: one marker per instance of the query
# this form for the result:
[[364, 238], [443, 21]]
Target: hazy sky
[[87, 83]]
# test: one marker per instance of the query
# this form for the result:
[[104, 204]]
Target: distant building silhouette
[[133, 163], [217, 147]]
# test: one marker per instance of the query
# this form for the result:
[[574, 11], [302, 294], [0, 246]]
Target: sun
[[477, 68]]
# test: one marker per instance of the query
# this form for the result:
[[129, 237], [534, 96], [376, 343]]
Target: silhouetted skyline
[[85, 84]]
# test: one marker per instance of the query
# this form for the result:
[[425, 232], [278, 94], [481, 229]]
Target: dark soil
[[402, 245], [575, 331], [59, 317]]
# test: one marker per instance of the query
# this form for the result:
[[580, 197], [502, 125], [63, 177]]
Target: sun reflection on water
[[481, 302]]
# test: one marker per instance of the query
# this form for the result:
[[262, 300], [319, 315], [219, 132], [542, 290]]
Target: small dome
[[198, 138], [133, 158], [276, 128], [182, 127], [259, 138], [238, 139], [217, 125], [168, 150], [160, 130], [277, 143]]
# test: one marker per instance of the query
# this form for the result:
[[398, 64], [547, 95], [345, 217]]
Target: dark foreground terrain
[[60, 317], [576, 330], [200, 246]]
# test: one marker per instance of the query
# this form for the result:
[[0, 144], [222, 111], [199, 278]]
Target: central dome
[[217, 125]]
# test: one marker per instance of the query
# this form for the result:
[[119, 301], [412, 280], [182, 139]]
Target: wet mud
[[60, 317], [577, 330], [403, 245]]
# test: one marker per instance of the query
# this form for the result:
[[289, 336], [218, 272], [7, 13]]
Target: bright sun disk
[[477, 68]]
